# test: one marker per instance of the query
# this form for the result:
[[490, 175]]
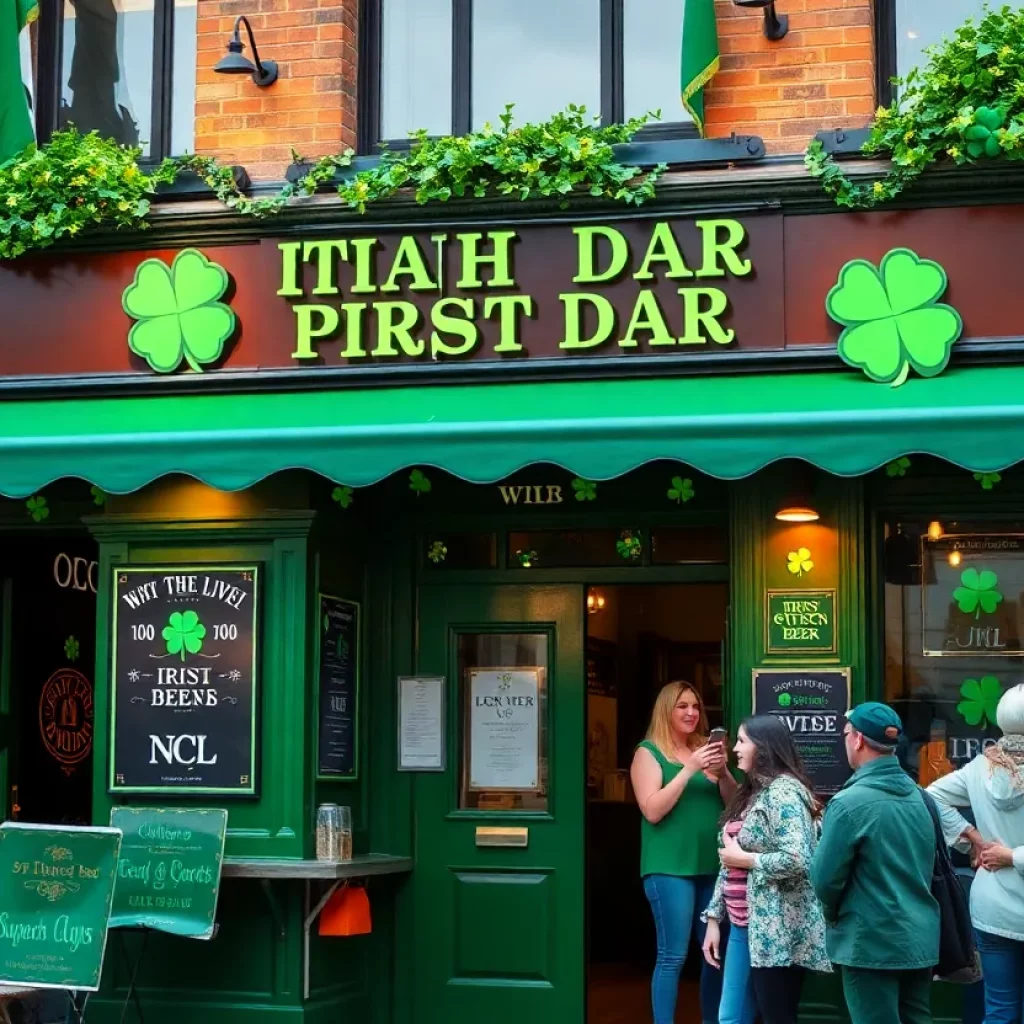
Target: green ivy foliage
[[76, 183], [965, 105]]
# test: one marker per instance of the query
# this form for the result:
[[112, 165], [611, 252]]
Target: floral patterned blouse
[[786, 924]]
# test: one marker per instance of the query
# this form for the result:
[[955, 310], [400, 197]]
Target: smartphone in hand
[[718, 735]]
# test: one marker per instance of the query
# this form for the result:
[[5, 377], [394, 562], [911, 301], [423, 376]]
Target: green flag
[[700, 55], [15, 120]]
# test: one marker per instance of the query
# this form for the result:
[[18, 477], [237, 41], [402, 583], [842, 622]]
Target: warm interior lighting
[[797, 514], [934, 530], [595, 601], [954, 558]]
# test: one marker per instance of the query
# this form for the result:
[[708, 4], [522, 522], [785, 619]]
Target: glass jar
[[328, 832], [345, 834]]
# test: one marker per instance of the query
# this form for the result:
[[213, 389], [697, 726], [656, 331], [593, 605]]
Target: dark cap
[[876, 721]]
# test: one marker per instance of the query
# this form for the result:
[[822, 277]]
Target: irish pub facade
[[522, 463]]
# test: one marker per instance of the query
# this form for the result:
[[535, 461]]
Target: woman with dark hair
[[769, 834]]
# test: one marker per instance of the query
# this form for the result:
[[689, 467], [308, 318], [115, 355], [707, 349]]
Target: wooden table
[[335, 874]]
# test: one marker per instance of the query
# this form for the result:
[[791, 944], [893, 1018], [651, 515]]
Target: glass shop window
[[954, 635], [120, 77]]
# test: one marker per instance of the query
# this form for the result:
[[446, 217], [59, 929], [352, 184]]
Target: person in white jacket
[[992, 785]]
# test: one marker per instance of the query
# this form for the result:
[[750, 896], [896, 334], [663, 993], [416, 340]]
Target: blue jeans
[[677, 904], [737, 1006], [1002, 963]]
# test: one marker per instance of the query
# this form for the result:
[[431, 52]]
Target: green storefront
[[544, 465]]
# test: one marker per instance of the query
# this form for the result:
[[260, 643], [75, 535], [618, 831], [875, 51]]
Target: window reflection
[[920, 24], [539, 55], [416, 54], [108, 64], [26, 42], [183, 108], [651, 58]]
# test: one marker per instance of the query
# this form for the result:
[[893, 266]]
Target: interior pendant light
[[797, 505], [935, 530]]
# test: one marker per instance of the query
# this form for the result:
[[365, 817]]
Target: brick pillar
[[820, 76], [310, 108]]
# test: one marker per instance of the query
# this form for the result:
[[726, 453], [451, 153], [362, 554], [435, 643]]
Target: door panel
[[499, 930]]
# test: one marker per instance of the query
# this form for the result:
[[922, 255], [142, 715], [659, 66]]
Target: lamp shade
[[234, 62]]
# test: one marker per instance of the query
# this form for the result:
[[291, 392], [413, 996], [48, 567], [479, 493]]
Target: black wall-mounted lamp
[[775, 25], [797, 504], [236, 63]]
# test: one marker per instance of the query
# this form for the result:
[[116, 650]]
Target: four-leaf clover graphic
[[785, 699], [343, 496], [178, 312], [981, 136], [681, 489], [72, 648], [37, 508], [988, 480], [980, 700], [898, 467], [978, 593], [630, 545], [892, 318], [586, 490], [418, 482], [798, 562], [184, 632]]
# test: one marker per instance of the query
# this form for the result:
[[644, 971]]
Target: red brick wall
[[820, 76], [312, 106]]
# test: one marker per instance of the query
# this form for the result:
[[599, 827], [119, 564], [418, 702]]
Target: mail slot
[[502, 836]]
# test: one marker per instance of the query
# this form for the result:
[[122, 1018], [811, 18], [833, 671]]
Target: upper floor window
[[907, 27], [125, 68], [450, 66]]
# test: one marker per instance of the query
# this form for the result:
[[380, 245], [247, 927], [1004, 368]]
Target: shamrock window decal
[[892, 319], [178, 312]]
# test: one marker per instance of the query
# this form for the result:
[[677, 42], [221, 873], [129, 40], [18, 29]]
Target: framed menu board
[[812, 703], [338, 687], [972, 586], [185, 696]]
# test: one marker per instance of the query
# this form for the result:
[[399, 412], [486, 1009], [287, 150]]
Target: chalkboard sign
[[338, 675], [168, 871], [972, 595], [56, 885], [813, 703], [184, 680]]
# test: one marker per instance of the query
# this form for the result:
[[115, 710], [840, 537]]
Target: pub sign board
[[168, 871], [812, 702], [338, 689], [800, 622], [184, 679], [56, 885]]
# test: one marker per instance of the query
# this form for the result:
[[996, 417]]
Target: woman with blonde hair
[[681, 784], [992, 785]]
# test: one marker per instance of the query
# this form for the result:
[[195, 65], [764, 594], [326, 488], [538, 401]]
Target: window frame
[[885, 51], [50, 75], [612, 72]]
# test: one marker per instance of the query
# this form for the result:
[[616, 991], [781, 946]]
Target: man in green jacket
[[872, 872]]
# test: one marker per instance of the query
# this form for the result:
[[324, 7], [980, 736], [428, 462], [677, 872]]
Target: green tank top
[[685, 841]]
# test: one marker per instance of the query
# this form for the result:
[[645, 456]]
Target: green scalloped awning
[[728, 427]]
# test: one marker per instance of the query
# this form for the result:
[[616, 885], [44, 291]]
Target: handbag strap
[[942, 857]]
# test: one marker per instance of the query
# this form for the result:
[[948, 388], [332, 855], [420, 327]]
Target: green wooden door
[[500, 929]]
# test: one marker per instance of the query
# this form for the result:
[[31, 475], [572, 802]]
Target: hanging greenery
[[966, 105], [78, 183]]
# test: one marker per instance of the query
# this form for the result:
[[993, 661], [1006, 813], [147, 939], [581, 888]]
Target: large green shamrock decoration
[[184, 632], [988, 480], [892, 317], [178, 312], [978, 593], [981, 137], [980, 700], [898, 467], [343, 496]]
